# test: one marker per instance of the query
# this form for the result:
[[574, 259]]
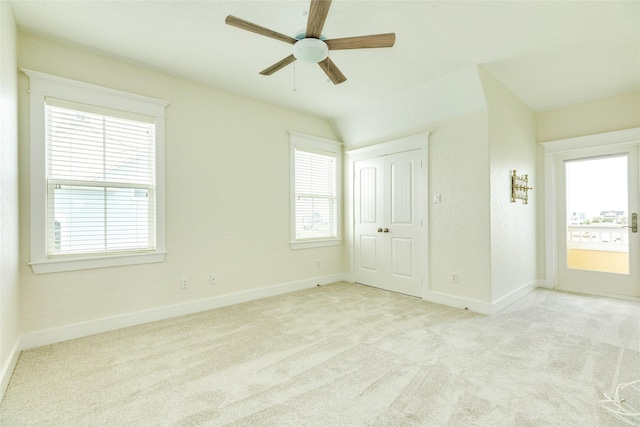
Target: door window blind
[[100, 180], [315, 195]]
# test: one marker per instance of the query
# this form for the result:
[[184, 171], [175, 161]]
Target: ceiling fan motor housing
[[310, 50]]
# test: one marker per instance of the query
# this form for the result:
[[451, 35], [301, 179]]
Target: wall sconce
[[520, 188]]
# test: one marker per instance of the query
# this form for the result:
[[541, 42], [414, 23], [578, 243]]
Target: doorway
[[388, 219], [596, 206]]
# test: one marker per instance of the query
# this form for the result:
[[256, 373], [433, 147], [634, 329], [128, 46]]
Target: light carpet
[[340, 355]]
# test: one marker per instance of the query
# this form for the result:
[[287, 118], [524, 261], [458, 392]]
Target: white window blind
[[316, 204], [101, 184]]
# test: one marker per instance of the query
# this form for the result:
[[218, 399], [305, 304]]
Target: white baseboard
[[545, 284], [9, 366], [481, 307], [600, 294], [513, 296], [457, 302], [78, 330]]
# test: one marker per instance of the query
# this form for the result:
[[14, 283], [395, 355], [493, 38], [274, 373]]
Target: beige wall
[[453, 110], [512, 146], [604, 115], [227, 177], [228, 188], [460, 226], [475, 231], [9, 285]]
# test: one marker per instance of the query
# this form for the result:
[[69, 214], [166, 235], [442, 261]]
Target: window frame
[[313, 144], [44, 85]]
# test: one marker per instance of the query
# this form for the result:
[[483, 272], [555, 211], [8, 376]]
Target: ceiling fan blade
[[362, 42], [246, 25], [332, 71], [278, 65], [317, 15]]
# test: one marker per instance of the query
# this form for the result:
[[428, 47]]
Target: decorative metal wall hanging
[[520, 188]]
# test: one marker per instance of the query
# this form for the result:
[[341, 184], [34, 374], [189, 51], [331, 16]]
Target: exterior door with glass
[[597, 205]]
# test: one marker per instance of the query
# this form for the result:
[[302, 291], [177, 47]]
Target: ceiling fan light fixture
[[310, 50]]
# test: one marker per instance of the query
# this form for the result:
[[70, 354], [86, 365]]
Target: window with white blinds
[[96, 171], [100, 180], [315, 190]]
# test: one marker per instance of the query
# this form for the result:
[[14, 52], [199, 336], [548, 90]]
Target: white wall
[[512, 146], [9, 285], [227, 195]]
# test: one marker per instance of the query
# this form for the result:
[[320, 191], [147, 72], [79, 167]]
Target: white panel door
[[368, 212], [388, 222]]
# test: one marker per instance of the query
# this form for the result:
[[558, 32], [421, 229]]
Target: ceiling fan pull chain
[[294, 77]]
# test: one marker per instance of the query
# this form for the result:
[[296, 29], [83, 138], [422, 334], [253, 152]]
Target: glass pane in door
[[597, 213]]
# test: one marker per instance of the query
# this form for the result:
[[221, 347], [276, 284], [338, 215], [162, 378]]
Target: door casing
[[576, 146]]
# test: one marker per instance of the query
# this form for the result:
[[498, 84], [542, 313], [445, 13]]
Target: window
[[315, 191], [97, 168]]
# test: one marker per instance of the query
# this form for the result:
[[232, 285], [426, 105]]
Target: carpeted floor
[[340, 355]]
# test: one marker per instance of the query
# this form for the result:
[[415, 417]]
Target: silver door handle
[[634, 223]]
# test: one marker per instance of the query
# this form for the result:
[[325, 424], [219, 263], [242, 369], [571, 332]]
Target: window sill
[[59, 265], [315, 243]]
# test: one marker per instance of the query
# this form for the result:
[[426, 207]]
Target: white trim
[[543, 284], [42, 85], [458, 302], [97, 262], [78, 330], [315, 243], [600, 294], [551, 220], [413, 142], [513, 296], [592, 141], [73, 90], [313, 141], [310, 142], [9, 366], [481, 307], [552, 149]]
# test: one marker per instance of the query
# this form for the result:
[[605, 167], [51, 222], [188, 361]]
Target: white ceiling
[[551, 54]]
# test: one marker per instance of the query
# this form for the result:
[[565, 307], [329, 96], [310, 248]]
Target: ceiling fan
[[311, 45]]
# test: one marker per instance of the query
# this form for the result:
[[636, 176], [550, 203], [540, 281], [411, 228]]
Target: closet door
[[388, 222], [369, 222]]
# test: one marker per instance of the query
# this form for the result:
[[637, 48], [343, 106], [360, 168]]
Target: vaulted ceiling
[[551, 54]]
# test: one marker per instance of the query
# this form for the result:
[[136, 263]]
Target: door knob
[[379, 230], [386, 230]]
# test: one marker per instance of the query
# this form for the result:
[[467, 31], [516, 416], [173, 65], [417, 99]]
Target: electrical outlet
[[185, 282], [213, 279], [454, 277]]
